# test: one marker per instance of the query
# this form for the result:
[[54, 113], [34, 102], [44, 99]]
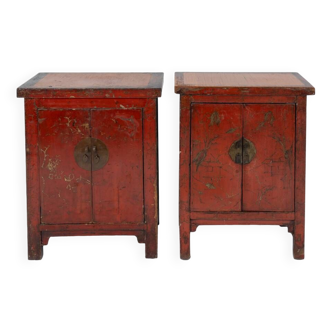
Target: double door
[[91, 165], [242, 157]]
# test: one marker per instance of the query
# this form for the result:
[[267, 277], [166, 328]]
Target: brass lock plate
[[235, 151], [242, 151], [91, 154]]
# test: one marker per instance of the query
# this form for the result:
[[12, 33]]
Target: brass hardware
[[242, 151], [99, 154], [238, 158], [249, 151], [82, 154], [86, 156], [91, 154], [235, 151]]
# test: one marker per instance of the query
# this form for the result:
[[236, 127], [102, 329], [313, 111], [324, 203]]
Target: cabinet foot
[[35, 251], [298, 250], [35, 246], [151, 254], [299, 253], [151, 243], [185, 256], [185, 241], [151, 251]]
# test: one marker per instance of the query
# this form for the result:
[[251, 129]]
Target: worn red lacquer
[[215, 178], [68, 193], [263, 115]]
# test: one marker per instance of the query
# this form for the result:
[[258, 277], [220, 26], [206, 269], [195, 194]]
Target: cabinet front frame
[[38, 233], [189, 220]]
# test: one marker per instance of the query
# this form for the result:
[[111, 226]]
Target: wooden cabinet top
[[93, 85], [242, 83]]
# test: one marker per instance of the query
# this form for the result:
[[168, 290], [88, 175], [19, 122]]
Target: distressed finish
[[65, 187], [215, 178], [184, 176], [272, 84], [268, 180], [91, 145], [35, 248], [242, 151], [118, 187], [92, 85]]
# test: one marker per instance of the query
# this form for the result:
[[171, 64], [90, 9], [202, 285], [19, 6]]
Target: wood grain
[[92, 85], [242, 80], [242, 83]]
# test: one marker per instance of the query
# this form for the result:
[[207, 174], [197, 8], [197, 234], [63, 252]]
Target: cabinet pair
[[92, 154]]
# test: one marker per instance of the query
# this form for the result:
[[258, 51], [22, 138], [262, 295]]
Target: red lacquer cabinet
[[91, 147], [242, 151]]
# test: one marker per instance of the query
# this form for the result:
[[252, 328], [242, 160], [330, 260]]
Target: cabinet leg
[[298, 240], [151, 242], [185, 241], [35, 247]]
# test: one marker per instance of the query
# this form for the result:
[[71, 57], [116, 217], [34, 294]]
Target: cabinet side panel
[[118, 186], [35, 248], [65, 187], [215, 177], [268, 180], [298, 235], [150, 134], [184, 177]]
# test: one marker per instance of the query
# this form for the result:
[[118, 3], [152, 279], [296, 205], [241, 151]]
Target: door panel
[[118, 186], [65, 187], [215, 178], [268, 180]]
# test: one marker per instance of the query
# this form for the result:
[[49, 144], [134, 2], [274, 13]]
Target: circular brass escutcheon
[[242, 151], [91, 154]]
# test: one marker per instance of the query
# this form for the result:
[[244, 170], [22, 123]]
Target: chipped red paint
[[215, 178], [118, 186], [271, 188], [121, 198], [268, 180], [65, 188]]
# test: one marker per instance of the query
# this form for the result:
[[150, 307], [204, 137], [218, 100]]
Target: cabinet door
[[268, 180], [65, 187], [215, 178], [118, 186]]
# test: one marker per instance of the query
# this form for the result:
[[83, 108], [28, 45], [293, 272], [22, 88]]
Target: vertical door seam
[[143, 163], [242, 168], [91, 177]]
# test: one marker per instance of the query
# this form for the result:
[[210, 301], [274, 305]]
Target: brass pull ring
[[242, 151], [91, 154]]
